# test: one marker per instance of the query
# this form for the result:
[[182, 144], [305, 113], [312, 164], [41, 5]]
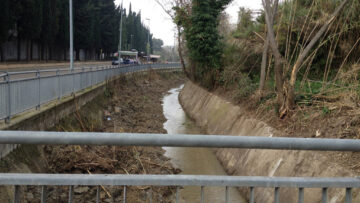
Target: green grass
[[308, 87]]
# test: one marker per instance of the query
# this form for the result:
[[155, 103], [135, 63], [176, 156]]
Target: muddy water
[[192, 161]]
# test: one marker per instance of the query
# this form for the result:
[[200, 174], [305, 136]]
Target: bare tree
[[285, 88], [265, 52], [167, 6], [279, 60]]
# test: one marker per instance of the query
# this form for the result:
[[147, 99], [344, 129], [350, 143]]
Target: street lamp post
[[148, 48], [71, 35], [120, 39]]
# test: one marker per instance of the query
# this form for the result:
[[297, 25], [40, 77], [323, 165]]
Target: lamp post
[[71, 35], [148, 47], [120, 38]]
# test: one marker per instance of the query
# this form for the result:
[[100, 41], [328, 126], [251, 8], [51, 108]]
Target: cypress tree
[[5, 24], [96, 26]]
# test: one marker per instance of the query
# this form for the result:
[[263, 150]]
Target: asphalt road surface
[[30, 69], [11, 67]]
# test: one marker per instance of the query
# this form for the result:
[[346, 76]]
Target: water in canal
[[192, 161]]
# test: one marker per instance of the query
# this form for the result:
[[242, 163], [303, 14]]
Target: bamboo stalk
[[347, 56]]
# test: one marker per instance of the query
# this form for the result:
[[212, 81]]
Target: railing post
[[102, 73], [73, 81], [301, 195], [43, 194], [71, 194], [58, 82], [227, 194], [276, 195], [7, 79], [252, 197], [39, 90], [96, 74], [324, 195], [98, 194], [202, 194], [150, 195], [348, 195], [91, 76], [124, 199], [17, 194], [177, 194], [82, 78]]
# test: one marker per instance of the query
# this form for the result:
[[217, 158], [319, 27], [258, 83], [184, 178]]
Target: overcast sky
[[161, 25]]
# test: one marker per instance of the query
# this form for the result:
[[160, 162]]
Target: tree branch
[[307, 49]]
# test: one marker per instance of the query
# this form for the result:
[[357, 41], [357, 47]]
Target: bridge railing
[[210, 141], [21, 91]]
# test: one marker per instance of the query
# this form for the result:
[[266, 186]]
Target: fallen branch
[[138, 158], [327, 98], [106, 191]]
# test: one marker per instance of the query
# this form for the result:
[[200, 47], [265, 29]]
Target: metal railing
[[211, 141], [21, 91]]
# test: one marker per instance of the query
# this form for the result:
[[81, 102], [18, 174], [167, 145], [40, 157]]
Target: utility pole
[[148, 48], [120, 39], [71, 36]]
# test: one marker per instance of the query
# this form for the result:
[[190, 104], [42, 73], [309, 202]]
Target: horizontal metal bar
[[126, 139], [79, 68], [67, 70], [175, 180]]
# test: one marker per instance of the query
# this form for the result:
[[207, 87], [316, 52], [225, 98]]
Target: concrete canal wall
[[220, 117]]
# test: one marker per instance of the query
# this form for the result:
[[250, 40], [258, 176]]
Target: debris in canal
[[134, 106]]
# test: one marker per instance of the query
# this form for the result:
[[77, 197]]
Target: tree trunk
[[78, 55], [46, 53], [274, 47], [41, 52], [279, 81], [27, 50], [180, 53], [2, 54], [31, 49], [265, 51], [263, 65], [18, 49], [50, 52]]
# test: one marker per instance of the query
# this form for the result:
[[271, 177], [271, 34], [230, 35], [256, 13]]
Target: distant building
[[153, 58]]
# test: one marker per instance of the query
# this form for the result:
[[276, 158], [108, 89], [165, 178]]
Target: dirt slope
[[133, 105]]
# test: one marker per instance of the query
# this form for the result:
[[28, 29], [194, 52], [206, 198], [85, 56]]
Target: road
[[11, 67], [31, 68]]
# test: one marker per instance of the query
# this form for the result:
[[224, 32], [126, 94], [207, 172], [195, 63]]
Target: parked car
[[129, 61], [117, 62]]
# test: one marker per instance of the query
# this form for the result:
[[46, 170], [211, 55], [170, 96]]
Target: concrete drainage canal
[[192, 161], [139, 102]]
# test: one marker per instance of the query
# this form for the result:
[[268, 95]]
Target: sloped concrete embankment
[[218, 116]]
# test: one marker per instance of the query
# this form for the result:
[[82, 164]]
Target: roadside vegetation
[[288, 55]]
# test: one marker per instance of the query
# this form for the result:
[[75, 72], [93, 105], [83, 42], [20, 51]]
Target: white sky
[[162, 26]]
